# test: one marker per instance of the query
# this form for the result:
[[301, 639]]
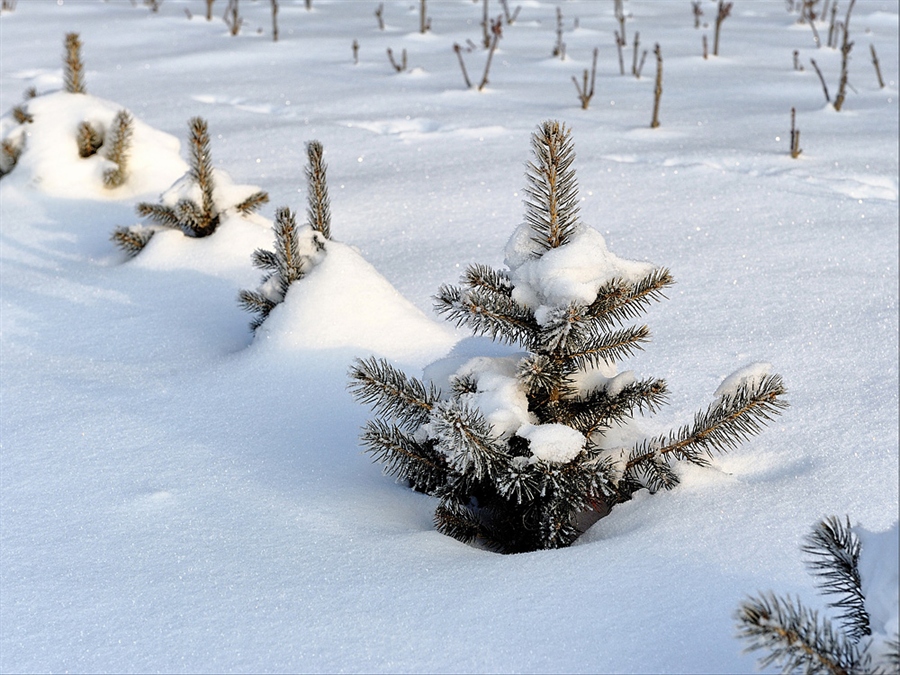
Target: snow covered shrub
[[118, 147], [526, 450], [196, 203], [860, 569], [297, 250]]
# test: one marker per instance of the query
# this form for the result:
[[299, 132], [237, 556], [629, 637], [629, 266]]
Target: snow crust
[[555, 443], [179, 497], [749, 376]]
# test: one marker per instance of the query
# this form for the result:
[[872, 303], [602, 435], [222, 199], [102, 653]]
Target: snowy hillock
[[48, 159], [344, 302]]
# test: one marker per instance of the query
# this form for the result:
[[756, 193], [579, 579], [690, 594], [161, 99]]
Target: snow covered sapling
[[524, 450], [796, 638], [194, 209], [119, 145], [296, 250], [73, 67]]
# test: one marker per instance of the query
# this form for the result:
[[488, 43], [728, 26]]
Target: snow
[[750, 376], [554, 443], [179, 495]]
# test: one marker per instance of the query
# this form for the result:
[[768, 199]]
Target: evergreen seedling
[[73, 67], [193, 219], [532, 486], [89, 140], [295, 248], [10, 151], [119, 147]]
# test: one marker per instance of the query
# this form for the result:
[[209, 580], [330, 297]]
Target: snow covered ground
[[177, 496]]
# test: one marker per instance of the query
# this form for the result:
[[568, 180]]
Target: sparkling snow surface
[[177, 496]]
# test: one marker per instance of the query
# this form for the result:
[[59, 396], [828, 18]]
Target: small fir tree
[[796, 638], [192, 218], [535, 483], [89, 139], [296, 249]]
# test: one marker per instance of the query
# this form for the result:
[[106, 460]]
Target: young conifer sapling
[[119, 142], [531, 475], [73, 67]]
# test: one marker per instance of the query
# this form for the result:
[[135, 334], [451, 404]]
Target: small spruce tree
[[89, 139], [795, 636], [533, 486], [295, 248], [193, 219]]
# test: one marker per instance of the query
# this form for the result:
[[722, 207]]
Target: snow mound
[[879, 572], [344, 302], [50, 162]]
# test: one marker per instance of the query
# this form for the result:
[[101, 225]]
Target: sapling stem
[[640, 67], [846, 46], [424, 21], [821, 79], [620, 42], [797, 65], [379, 14], [657, 91], [586, 91], [462, 64], [560, 48], [510, 18], [877, 67], [497, 32], [795, 135], [399, 67], [698, 12], [634, 58], [355, 47], [705, 47], [274, 20], [485, 26], [724, 11]]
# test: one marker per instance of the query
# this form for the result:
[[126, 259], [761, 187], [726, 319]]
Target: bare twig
[[811, 17], [832, 36], [497, 33], [379, 14], [821, 79], [485, 26], [560, 48], [877, 67], [620, 42], [724, 11], [424, 21], [846, 46], [586, 90], [641, 64], [705, 47], [232, 17], [797, 65], [209, 4], [510, 18], [399, 67], [657, 92], [698, 12], [620, 17], [462, 64], [634, 58], [274, 20], [355, 47], [795, 135]]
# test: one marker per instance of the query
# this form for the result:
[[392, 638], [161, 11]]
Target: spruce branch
[[390, 393], [201, 171], [21, 115], [489, 279], [119, 148], [722, 426], [252, 203], [160, 214], [404, 457], [795, 637], [318, 205], [618, 301], [89, 140], [551, 207], [256, 303], [458, 521], [264, 260], [73, 67], [606, 348], [834, 558], [463, 431], [132, 239], [486, 313], [598, 411]]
